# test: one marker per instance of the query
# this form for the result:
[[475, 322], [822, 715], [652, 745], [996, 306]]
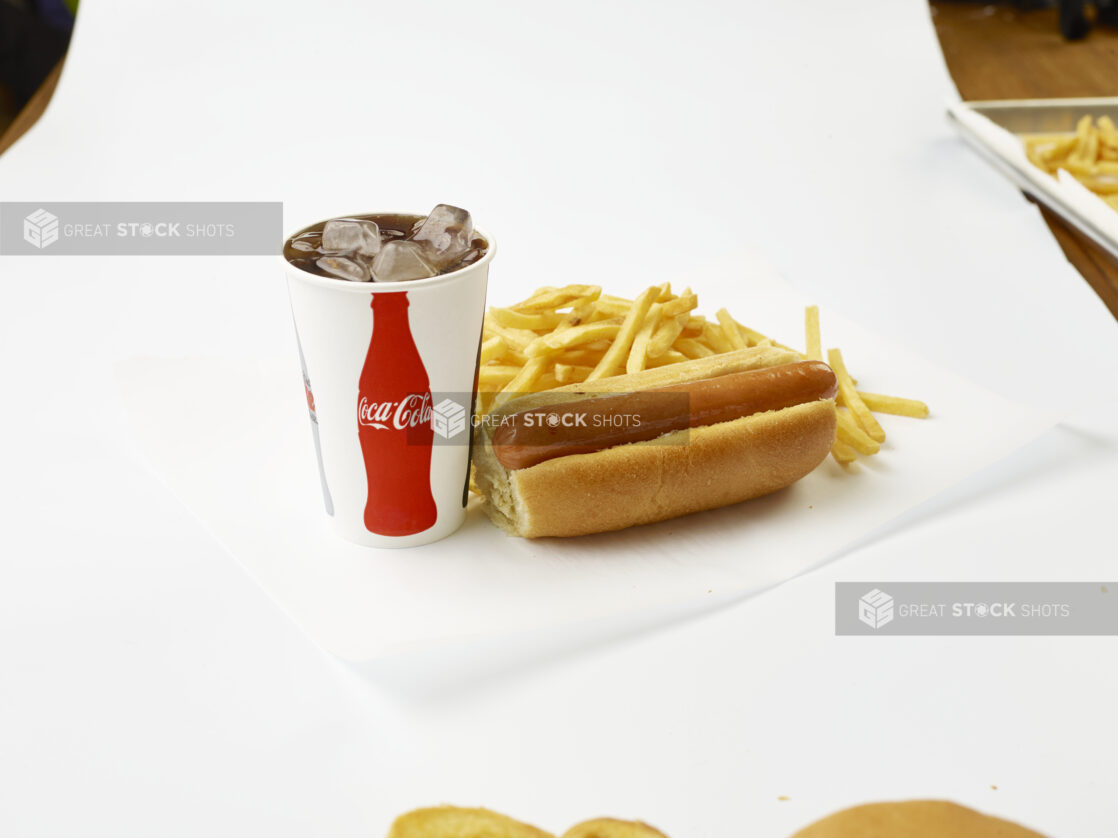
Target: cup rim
[[384, 287]]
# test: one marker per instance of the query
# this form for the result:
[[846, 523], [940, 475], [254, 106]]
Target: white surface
[[264, 506], [149, 687]]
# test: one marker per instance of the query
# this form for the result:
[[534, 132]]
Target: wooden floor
[[998, 52]]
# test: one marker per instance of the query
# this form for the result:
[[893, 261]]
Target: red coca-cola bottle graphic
[[394, 424]]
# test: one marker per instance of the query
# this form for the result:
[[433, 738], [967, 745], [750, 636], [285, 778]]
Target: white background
[[147, 686]]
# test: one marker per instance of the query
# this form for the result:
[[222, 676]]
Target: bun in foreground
[[914, 819], [613, 828], [458, 822]]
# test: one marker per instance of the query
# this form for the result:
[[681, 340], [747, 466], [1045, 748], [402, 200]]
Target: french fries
[[492, 349], [894, 405], [730, 329], [814, 345], [567, 335], [618, 351], [1090, 155], [584, 333], [638, 355], [844, 454], [666, 334], [852, 434], [848, 397]]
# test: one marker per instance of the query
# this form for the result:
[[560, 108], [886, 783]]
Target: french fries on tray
[[573, 334], [1090, 155]]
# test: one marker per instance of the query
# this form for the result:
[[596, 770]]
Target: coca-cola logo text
[[409, 412]]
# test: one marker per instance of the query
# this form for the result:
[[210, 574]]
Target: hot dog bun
[[642, 482], [459, 822], [914, 819], [613, 828]]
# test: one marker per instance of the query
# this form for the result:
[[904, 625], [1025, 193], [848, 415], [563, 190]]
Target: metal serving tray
[[1044, 116], [1038, 116]]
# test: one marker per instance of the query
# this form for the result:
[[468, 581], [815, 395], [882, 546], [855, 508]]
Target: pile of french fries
[[565, 335], [1090, 154]]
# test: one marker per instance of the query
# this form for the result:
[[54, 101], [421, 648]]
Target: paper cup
[[391, 414]]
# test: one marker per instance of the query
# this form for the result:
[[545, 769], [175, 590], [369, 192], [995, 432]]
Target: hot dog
[[534, 436], [709, 432]]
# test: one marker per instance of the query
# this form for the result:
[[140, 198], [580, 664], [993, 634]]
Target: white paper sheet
[[233, 442]]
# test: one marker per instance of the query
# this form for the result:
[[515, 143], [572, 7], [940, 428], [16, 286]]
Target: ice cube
[[445, 235], [398, 261], [352, 269], [344, 235], [304, 245]]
